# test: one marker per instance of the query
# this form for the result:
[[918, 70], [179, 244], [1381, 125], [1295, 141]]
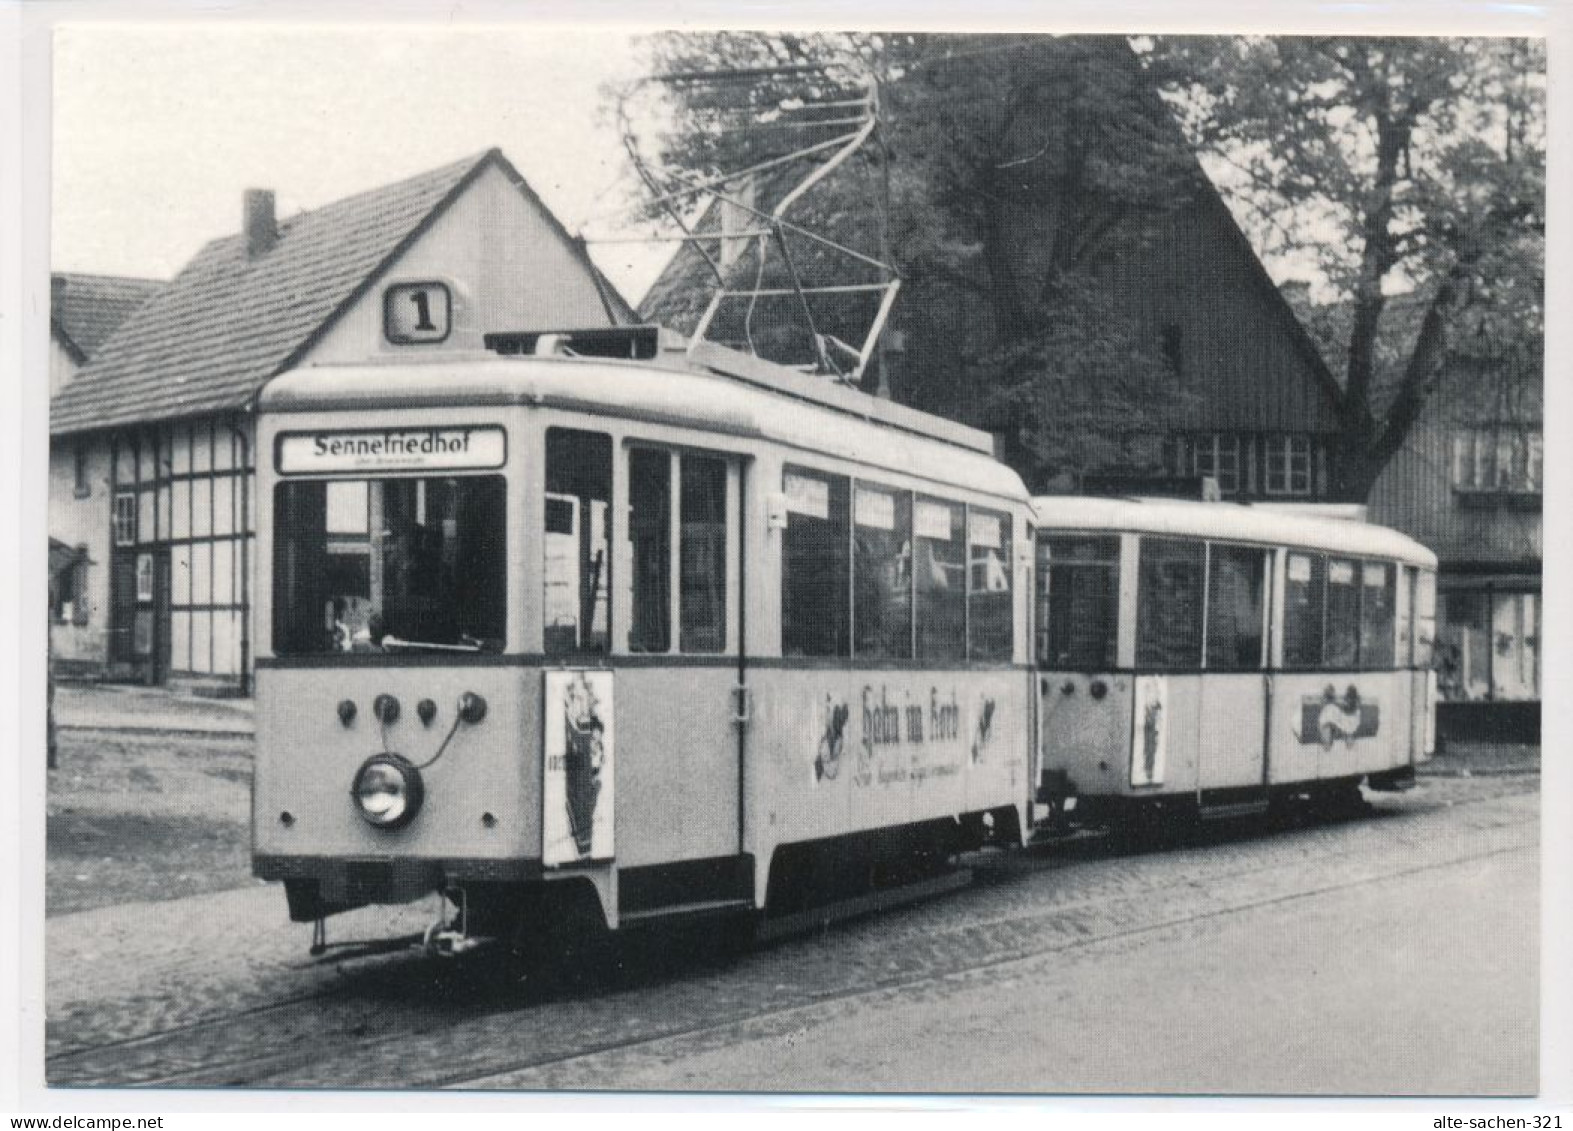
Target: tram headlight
[[388, 791]]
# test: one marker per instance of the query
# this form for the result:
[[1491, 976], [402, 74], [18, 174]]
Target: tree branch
[[1421, 374]]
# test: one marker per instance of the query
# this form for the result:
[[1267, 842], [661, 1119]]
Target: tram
[[606, 628], [1209, 658]]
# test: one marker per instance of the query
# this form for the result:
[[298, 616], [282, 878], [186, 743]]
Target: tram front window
[[390, 565]]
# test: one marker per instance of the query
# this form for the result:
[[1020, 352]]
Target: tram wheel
[[560, 938], [738, 935], [1145, 828], [1339, 802]]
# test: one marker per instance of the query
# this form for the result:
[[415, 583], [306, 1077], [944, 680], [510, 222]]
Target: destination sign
[[392, 449]]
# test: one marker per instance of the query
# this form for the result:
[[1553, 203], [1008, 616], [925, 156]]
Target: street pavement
[[1391, 954], [125, 707], [1400, 986]]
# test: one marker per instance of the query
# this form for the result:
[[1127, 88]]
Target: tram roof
[[1230, 522], [642, 391]]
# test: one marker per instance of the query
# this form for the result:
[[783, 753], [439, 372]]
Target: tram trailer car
[[599, 642], [1210, 658]]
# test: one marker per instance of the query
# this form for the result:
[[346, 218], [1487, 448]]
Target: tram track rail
[[382, 1021]]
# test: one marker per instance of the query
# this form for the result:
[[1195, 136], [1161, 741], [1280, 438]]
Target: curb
[[184, 732]]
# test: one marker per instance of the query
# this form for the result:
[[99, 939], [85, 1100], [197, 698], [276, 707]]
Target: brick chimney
[[261, 230]]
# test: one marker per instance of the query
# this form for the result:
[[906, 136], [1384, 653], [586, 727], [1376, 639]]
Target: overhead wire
[[670, 186]]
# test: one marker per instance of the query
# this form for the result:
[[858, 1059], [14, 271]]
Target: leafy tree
[[1388, 166], [1008, 174], [1014, 170]]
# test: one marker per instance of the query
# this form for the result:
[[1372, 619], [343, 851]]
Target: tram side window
[[940, 574], [1406, 617], [882, 573], [991, 611], [702, 554], [576, 542], [1305, 582], [1235, 589], [1377, 626], [1341, 648], [815, 565], [1169, 604], [1078, 610], [650, 540]]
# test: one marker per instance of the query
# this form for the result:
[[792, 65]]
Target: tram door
[[1233, 707], [680, 601]]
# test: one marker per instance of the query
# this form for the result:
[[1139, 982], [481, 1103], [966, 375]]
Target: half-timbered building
[[1469, 482], [84, 311], [1254, 406], [428, 264]]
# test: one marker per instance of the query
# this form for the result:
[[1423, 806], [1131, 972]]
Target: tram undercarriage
[[1160, 814], [561, 921]]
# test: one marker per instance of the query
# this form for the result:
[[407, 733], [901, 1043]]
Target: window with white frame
[[1218, 455], [124, 519], [1508, 459], [1288, 465]]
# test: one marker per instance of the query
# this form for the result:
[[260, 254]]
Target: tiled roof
[[227, 322], [85, 309], [682, 291]]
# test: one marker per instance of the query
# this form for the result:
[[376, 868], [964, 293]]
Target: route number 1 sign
[[417, 313]]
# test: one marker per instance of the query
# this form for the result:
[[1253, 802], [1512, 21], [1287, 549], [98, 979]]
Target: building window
[[79, 477], [1490, 646], [68, 591], [124, 519], [1173, 348], [144, 578], [1218, 455], [1288, 465], [1213, 454], [1502, 460]]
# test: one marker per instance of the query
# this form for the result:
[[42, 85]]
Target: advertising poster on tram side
[[577, 793]]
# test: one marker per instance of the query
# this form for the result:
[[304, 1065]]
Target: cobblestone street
[[676, 565], [1152, 960]]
